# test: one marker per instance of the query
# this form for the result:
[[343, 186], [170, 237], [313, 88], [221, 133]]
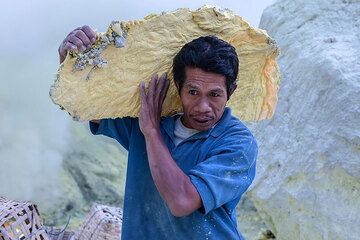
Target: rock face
[[308, 179], [104, 81], [93, 170]]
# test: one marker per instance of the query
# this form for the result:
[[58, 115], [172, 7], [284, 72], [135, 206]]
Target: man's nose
[[203, 106]]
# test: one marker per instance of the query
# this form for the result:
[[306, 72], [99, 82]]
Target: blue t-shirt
[[220, 162]]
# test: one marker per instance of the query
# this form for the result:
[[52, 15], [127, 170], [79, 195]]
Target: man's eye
[[213, 94], [193, 92]]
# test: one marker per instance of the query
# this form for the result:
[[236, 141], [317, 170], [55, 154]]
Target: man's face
[[203, 97]]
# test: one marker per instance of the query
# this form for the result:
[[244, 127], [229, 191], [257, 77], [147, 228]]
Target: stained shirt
[[220, 162]]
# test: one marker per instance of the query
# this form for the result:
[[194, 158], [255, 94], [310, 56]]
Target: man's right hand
[[79, 39]]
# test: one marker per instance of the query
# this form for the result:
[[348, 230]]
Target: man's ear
[[232, 90], [177, 86]]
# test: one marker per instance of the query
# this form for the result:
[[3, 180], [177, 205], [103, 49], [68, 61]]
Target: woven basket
[[58, 234], [103, 222], [20, 221]]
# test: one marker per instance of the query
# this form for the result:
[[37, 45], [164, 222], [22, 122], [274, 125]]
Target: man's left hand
[[151, 104]]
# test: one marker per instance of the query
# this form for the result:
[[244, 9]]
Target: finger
[[69, 47], [73, 31], [77, 42], [160, 86], [164, 91], [152, 86], [82, 36], [64, 48], [89, 33], [142, 93]]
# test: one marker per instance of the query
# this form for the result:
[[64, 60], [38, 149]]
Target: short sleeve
[[227, 172], [118, 129]]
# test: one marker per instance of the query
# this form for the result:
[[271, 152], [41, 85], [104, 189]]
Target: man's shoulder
[[231, 126], [234, 134], [236, 139], [121, 122], [239, 127], [236, 131]]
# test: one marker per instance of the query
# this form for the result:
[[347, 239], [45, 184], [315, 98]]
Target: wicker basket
[[20, 221], [103, 222], [58, 234]]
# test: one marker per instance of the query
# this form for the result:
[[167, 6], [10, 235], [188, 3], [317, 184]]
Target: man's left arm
[[173, 184]]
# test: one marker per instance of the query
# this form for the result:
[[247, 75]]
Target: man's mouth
[[202, 120]]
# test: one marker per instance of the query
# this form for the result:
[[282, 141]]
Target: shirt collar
[[168, 124]]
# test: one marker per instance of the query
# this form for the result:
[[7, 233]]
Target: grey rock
[[94, 169], [308, 173]]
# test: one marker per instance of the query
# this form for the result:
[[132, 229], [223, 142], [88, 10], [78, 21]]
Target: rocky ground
[[93, 170]]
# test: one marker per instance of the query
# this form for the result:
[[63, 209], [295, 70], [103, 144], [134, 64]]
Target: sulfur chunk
[[103, 82]]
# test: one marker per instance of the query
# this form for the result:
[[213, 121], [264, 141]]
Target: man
[[186, 173]]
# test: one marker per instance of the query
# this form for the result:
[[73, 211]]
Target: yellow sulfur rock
[[103, 82]]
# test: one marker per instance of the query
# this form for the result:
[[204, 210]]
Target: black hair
[[210, 54]]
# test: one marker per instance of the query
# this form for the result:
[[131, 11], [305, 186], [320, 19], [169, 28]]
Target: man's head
[[205, 72]]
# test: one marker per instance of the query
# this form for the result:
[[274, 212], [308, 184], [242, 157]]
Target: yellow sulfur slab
[[103, 82]]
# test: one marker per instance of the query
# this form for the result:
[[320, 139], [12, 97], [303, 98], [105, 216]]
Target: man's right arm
[[80, 39]]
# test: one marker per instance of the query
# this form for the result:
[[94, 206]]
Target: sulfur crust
[[112, 90]]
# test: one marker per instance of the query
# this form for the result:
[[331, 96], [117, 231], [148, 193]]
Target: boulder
[[308, 174], [93, 170]]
